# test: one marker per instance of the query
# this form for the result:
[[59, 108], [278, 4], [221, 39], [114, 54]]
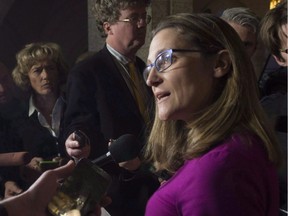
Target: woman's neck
[[45, 105]]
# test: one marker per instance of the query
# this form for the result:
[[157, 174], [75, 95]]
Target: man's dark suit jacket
[[100, 104]]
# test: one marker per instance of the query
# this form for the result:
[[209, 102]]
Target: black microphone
[[125, 148]]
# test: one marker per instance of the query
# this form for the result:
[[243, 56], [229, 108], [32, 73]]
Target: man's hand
[[75, 148]]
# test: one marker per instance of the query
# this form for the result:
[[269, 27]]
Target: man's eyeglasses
[[137, 20], [164, 60], [284, 50]]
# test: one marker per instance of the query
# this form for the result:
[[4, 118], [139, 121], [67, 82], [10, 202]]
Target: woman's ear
[[107, 28], [222, 64]]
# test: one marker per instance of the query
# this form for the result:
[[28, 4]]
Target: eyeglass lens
[[162, 62]]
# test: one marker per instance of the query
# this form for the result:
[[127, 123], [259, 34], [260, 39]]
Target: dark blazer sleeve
[[81, 112], [99, 103]]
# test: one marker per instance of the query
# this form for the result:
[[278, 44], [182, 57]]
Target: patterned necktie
[[136, 87]]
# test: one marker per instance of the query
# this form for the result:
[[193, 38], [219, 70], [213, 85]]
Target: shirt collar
[[121, 58], [32, 107]]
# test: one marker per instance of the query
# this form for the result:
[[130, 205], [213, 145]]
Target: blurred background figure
[[6, 83], [9, 96], [273, 32], [10, 111], [245, 22], [40, 71]]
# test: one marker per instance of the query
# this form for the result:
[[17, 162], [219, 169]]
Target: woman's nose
[[153, 78], [44, 73]]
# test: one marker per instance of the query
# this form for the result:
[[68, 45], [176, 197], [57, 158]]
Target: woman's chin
[[164, 116]]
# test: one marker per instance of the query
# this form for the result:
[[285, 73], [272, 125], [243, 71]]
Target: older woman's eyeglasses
[[137, 20], [164, 60]]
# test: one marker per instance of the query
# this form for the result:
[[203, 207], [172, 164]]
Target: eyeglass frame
[[149, 67], [137, 20]]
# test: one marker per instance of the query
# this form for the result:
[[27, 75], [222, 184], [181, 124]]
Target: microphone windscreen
[[126, 147]]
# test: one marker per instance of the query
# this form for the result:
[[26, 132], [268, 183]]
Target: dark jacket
[[100, 104], [36, 139]]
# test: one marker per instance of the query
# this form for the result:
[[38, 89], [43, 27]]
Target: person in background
[[107, 98], [210, 131], [9, 97], [246, 23], [6, 89], [10, 110], [41, 71], [273, 32], [10, 105]]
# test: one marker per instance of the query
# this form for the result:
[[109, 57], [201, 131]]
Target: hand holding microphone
[[123, 151], [78, 145], [88, 183]]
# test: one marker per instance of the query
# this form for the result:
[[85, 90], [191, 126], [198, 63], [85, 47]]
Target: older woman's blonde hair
[[32, 54], [236, 106]]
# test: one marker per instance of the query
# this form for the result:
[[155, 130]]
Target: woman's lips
[[161, 95]]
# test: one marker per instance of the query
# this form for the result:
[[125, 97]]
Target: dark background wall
[[68, 23], [26, 21]]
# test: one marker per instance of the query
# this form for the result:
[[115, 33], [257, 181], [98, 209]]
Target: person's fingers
[[73, 212], [71, 141], [110, 141], [15, 189], [73, 136], [131, 165], [65, 170], [12, 189], [48, 181]]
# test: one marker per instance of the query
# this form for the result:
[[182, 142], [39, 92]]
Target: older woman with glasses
[[209, 132]]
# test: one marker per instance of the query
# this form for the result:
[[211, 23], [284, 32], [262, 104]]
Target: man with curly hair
[[107, 97]]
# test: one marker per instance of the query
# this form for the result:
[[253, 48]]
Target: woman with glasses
[[209, 132]]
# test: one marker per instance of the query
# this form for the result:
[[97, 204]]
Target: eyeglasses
[[164, 61], [137, 20], [284, 50]]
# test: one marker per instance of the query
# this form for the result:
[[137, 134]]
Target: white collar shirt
[[56, 116]]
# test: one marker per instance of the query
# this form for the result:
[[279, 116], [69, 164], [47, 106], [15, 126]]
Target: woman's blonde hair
[[32, 54], [236, 107]]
